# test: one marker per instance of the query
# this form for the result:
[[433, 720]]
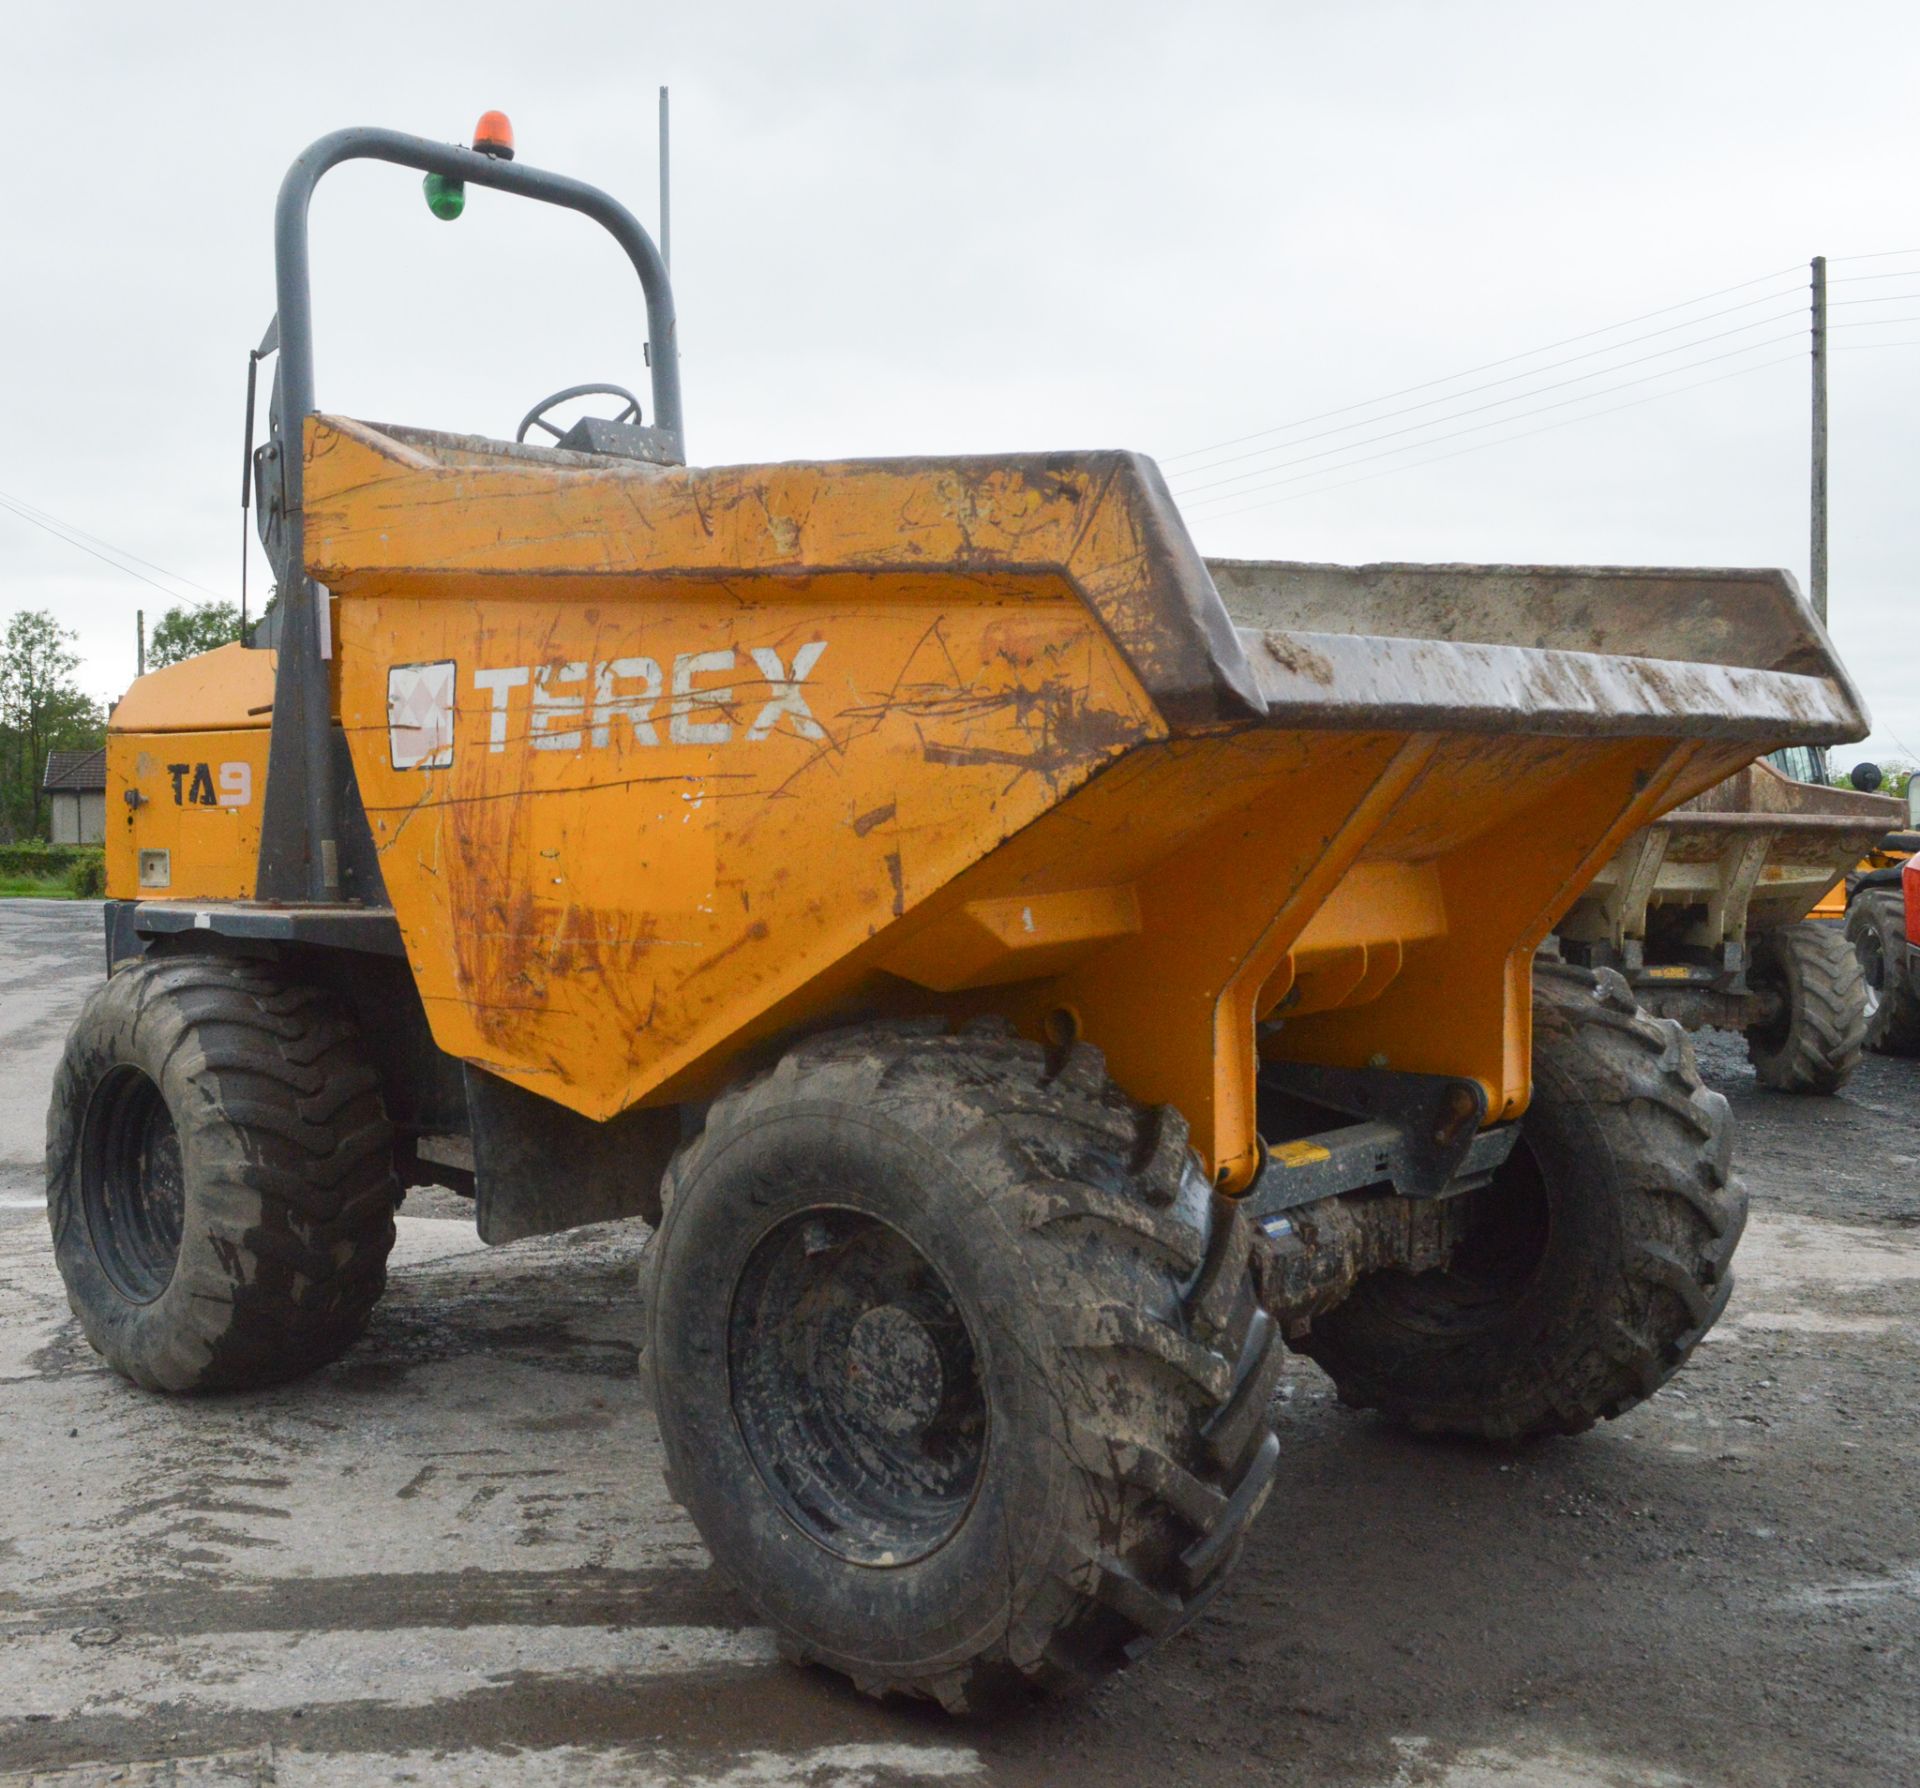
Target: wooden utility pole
[[1817, 506], [140, 641]]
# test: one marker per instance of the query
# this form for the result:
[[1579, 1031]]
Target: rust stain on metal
[[1291, 655]]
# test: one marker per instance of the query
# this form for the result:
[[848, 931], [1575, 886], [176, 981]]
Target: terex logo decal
[[420, 714], [570, 706]]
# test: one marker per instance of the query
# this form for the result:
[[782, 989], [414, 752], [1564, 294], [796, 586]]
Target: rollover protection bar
[[299, 839]]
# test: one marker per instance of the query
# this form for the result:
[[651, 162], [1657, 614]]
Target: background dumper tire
[[1598, 1257], [1125, 1367], [271, 1121], [1818, 1039], [1877, 929]]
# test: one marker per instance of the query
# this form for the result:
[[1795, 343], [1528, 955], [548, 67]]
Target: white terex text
[[575, 704]]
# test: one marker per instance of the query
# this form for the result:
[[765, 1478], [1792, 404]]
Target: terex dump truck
[[1027, 974]]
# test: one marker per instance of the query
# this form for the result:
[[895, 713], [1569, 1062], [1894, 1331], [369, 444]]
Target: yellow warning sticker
[[1300, 1154]]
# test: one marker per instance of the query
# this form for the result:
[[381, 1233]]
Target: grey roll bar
[[299, 830]]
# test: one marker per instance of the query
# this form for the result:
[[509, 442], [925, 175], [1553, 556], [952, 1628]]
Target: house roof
[[77, 772]]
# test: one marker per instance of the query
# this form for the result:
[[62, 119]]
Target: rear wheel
[[1877, 929], [1592, 1264], [959, 1361], [219, 1175], [1818, 1032]]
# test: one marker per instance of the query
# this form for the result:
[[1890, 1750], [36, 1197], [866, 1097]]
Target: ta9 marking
[[194, 785]]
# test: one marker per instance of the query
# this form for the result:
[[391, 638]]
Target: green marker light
[[446, 199]]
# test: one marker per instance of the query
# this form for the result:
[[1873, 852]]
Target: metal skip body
[[730, 750]]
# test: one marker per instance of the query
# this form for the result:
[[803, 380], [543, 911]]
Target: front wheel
[[219, 1174], [1590, 1267], [1818, 1031], [959, 1362]]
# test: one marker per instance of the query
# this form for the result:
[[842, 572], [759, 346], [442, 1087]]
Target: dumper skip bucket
[[662, 764]]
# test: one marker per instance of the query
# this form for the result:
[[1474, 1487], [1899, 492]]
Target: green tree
[[42, 709], [191, 629]]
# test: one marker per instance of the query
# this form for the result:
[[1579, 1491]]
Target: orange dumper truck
[[1030, 975]]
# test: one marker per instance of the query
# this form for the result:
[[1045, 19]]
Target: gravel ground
[[448, 1558]]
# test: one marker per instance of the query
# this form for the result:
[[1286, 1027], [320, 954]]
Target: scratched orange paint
[[665, 763]]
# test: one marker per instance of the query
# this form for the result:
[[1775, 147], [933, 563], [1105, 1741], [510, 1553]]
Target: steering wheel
[[537, 416]]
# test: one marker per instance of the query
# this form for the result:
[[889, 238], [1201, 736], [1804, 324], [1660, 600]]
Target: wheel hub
[[856, 1387], [133, 1185], [893, 1372], [1873, 970]]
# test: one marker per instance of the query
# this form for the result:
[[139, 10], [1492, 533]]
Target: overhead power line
[[1485, 365], [85, 534], [1497, 403], [1632, 403], [1881, 298], [1257, 477], [1842, 279], [1471, 428], [102, 557], [1183, 482], [103, 550], [1515, 378]]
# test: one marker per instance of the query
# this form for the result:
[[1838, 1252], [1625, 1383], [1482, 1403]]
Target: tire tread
[[274, 1098], [1100, 1194]]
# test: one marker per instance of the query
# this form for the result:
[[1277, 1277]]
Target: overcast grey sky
[[939, 228]]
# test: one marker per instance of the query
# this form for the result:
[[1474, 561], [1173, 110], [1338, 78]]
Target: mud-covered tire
[[1593, 1264], [1820, 1033], [1114, 1380], [220, 1174], [1877, 930]]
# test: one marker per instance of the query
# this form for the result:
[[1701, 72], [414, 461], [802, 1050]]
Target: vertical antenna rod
[[140, 641], [666, 207], [246, 485], [1817, 505]]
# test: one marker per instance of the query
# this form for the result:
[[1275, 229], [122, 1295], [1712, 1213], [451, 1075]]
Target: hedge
[[81, 867], [49, 860]]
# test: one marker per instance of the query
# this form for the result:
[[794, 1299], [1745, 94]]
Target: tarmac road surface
[[449, 1558]]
